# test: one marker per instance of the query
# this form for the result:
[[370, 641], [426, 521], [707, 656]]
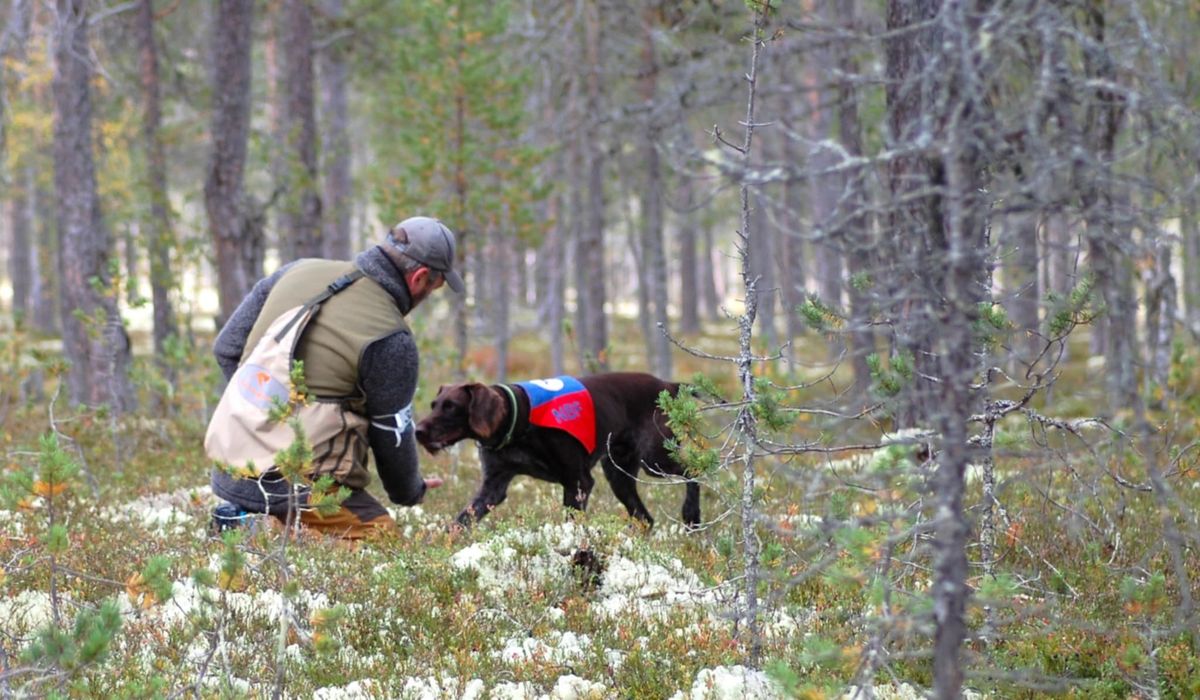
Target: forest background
[[932, 267]]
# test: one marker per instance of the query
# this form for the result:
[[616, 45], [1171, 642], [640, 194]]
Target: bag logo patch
[[258, 387]]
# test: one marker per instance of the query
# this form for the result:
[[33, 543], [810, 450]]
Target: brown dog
[[629, 432]]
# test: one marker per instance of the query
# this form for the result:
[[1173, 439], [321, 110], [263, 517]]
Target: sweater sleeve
[[231, 341], [388, 374]]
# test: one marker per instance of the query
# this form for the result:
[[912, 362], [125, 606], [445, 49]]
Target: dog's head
[[459, 412]]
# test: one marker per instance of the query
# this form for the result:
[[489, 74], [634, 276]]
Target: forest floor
[[1083, 602]]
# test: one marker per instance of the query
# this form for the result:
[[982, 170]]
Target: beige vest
[[328, 332]]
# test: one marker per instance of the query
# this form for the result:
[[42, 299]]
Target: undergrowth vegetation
[[113, 585]]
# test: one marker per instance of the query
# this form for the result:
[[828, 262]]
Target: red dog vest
[[563, 403]]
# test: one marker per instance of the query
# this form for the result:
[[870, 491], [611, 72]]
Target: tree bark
[[860, 244], [1104, 210], [336, 151], [689, 287], [12, 43], [130, 232], [1189, 230], [94, 339], [303, 200], [914, 217], [763, 257], [1161, 315], [591, 241], [708, 272], [791, 259], [21, 253], [505, 257], [652, 207], [1022, 290], [44, 291], [237, 240], [159, 234], [823, 188], [747, 422]]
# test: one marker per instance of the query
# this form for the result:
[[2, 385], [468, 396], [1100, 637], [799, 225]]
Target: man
[[345, 321]]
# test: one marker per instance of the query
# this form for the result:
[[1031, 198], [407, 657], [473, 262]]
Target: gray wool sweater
[[387, 371]]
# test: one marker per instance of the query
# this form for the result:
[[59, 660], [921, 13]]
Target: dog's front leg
[[492, 493], [577, 491]]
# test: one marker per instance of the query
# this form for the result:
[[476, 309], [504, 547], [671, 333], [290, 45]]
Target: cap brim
[[455, 281]]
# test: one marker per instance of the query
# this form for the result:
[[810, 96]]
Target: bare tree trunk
[[554, 266], [592, 290], [94, 338], [747, 422], [21, 253], [238, 242], [960, 249], [1105, 209], [641, 265], [823, 188], [469, 249], [1061, 260], [1161, 314], [159, 234], [652, 207], [130, 232], [689, 288], [791, 259], [1020, 256], [914, 218], [44, 285], [860, 245], [303, 201], [1190, 232], [763, 257], [335, 140], [582, 331], [12, 43], [708, 273]]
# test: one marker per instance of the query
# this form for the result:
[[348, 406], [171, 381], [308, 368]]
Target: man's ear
[[485, 411], [418, 277]]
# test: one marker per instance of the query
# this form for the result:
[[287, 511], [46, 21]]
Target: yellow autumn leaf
[[319, 618], [231, 583], [139, 594], [49, 490]]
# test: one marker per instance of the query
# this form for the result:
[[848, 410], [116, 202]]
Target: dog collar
[[512, 425]]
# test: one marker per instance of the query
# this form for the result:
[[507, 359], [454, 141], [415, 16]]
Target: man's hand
[[433, 482]]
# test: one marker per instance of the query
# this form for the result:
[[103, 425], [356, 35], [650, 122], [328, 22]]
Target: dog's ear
[[485, 411]]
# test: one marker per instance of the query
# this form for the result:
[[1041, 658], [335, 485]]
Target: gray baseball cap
[[429, 242]]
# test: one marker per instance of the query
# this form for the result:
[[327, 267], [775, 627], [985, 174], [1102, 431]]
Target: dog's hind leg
[[691, 505], [622, 477]]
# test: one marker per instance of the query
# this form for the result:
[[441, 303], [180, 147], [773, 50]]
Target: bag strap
[[314, 304]]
